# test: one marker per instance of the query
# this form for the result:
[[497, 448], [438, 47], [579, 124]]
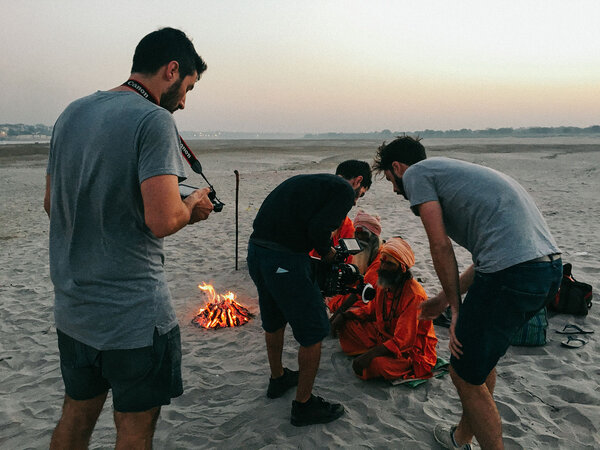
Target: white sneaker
[[445, 436]]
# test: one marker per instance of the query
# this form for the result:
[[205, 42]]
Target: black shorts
[[497, 305], [288, 293], [140, 378]]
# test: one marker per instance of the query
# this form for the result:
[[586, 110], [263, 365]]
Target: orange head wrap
[[399, 249], [371, 223]]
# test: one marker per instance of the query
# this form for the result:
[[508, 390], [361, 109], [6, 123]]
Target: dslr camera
[[339, 277], [186, 189]]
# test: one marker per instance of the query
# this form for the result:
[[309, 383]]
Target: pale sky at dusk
[[319, 66]]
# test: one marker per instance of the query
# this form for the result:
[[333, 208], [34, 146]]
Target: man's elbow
[[440, 246], [163, 228], [47, 205]]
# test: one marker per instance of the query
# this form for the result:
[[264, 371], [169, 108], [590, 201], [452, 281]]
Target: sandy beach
[[548, 397]]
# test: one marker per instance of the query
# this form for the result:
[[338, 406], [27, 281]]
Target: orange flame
[[221, 310]]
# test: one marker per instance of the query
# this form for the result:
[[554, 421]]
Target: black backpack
[[573, 297]]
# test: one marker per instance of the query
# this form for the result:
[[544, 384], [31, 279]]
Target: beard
[[170, 99], [390, 279], [400, 186]]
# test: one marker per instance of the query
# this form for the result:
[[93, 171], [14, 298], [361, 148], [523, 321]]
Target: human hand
[[454, 345], [360, 363], [337, 322], [432, 308], [330, 256], [199, 204]]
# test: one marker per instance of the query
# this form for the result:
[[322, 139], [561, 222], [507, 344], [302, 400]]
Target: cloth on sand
[[440, 369], [410, 340]]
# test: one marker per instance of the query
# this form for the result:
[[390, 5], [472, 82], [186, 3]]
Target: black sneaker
[[279, 386], [315, 410]]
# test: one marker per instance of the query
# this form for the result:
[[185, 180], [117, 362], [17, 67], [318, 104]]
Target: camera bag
[[573, 297]]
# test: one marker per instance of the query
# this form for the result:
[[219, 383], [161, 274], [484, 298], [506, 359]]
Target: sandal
[[573, 342], [571, 328]]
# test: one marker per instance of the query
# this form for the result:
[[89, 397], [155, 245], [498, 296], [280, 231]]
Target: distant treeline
[[8, 131], [466, 133], [11, 130]]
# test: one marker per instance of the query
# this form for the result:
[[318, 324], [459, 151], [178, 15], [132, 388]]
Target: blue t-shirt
[[484, 211], [105, 263]]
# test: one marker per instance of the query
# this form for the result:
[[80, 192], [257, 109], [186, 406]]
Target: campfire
[[221, 310]]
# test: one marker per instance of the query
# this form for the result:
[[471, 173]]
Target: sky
[[313, 66]]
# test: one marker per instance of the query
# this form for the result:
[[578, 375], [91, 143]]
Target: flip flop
[[573, 342], [571, 328]]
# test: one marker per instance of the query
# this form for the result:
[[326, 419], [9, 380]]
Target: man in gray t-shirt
[[516, 269], [112, 194]]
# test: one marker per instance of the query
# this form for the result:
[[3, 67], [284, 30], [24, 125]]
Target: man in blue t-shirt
[[516, 269], [112, 194], [298, 215]]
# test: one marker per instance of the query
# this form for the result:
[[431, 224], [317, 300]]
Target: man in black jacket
[[298, 215]]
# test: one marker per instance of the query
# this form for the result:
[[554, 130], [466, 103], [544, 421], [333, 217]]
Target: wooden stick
[[237, 191]]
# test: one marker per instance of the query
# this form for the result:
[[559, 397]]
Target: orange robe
[[412, 341], [335, 302]]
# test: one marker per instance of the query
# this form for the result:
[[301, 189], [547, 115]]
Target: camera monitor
[[351, 245]]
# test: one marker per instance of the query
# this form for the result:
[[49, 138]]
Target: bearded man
[[389, 337]]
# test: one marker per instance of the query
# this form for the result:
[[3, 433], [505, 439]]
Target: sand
[[548, 397]]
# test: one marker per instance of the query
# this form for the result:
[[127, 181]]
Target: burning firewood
[[221, 310]]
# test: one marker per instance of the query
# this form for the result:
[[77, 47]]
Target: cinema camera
[[339, 277]]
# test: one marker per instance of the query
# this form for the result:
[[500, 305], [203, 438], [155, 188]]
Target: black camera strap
[[183, 147]]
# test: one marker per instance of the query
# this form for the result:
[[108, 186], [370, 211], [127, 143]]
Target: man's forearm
[[466, 279], [446, 269], [380, 350]]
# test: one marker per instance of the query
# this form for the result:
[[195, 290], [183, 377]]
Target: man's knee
[[83, 412], [77, 422], [136, 426]]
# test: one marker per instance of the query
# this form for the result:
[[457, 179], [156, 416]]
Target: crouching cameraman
[[298, 215]]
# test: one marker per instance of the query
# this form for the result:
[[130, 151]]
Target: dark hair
[[353, 168], [163, 46], [404, 149]]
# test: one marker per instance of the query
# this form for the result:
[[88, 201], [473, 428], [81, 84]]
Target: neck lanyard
[[183, 147]]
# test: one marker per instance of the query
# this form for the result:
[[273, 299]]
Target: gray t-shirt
[[105, 263], [484, 211]]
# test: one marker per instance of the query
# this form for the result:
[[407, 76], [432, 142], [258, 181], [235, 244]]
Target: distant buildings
[[20, 131]]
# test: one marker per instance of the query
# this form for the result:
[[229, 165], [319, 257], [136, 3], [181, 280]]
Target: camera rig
[[339, 277]]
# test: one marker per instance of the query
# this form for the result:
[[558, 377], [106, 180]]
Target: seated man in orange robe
[[367, 229], [390, 339]]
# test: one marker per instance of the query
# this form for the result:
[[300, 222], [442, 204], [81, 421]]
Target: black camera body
[[185, 190], [339, 277]]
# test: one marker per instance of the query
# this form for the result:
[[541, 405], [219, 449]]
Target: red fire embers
[[221, 310]]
